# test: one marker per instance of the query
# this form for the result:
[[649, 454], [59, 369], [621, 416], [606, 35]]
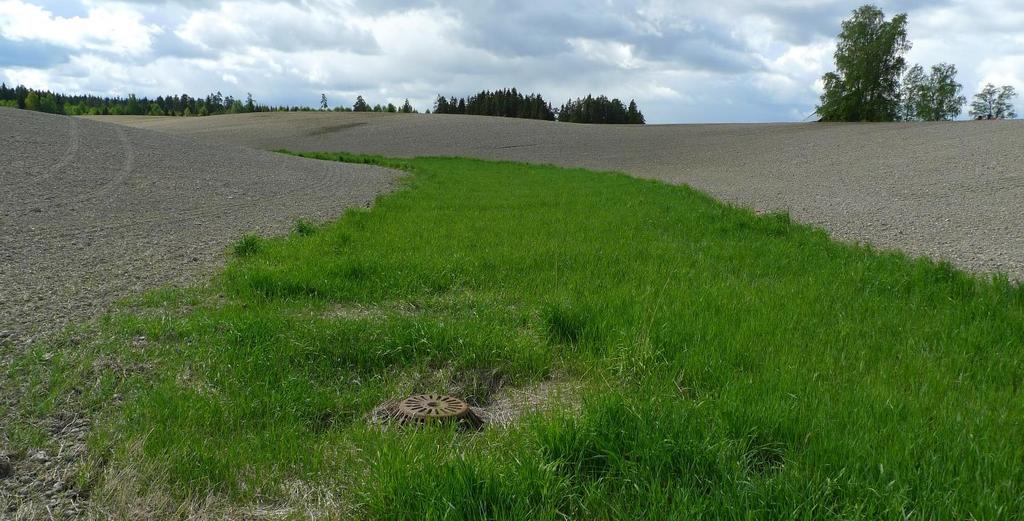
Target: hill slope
[[91, 211], [946, 190]]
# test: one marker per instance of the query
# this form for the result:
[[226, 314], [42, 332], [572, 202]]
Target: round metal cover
[[433, 406]]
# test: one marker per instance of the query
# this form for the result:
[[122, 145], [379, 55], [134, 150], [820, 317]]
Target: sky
[[683, 60]]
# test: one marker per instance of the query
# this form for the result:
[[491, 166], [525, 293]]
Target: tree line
[[503, 103], [507, 103], [173, 105], [361, 105], [511, 103], [600, 110], [872, 83]]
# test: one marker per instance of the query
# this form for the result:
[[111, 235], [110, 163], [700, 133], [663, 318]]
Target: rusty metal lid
[[433, 407], [420, 409]]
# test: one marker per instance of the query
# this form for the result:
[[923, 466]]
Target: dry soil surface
[[90, 211], [952, 191]]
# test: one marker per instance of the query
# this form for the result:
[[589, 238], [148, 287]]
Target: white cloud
[[111, 28], [1002, 70], [794, 76], [279, 25], [613, 53]]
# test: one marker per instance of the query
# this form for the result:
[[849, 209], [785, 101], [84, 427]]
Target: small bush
[[303, 228], [248, 246]]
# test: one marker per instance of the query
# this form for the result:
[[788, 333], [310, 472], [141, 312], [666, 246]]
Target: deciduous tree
[[869, 62], [935, 97], [914, 84], [32, 101], [945, 99], [994, 103]]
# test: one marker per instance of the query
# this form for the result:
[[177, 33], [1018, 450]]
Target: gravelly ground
[[948, 190], [90, 212]]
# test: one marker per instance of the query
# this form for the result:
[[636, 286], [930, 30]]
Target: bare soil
[[950, 191], [90, 211]]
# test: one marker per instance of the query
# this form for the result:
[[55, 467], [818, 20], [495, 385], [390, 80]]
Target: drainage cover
[[423, 408]]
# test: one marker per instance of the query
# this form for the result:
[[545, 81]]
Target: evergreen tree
[[633, 114], [215, 103], [360, 105], [323, 101], [133, 107], [503, 102], [441, 105], [869, 62], [599, 110], [250, 104], [406, 107]]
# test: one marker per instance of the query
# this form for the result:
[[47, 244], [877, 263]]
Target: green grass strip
[[726, 365]]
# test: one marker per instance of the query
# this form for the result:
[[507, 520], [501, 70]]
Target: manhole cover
[[423, 408]]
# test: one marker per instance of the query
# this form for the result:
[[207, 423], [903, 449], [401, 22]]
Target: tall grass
[[730, 366]]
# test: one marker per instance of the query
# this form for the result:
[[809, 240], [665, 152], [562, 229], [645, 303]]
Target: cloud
[[282, 26], [109, 28], [728, 60], [1002, 70]]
